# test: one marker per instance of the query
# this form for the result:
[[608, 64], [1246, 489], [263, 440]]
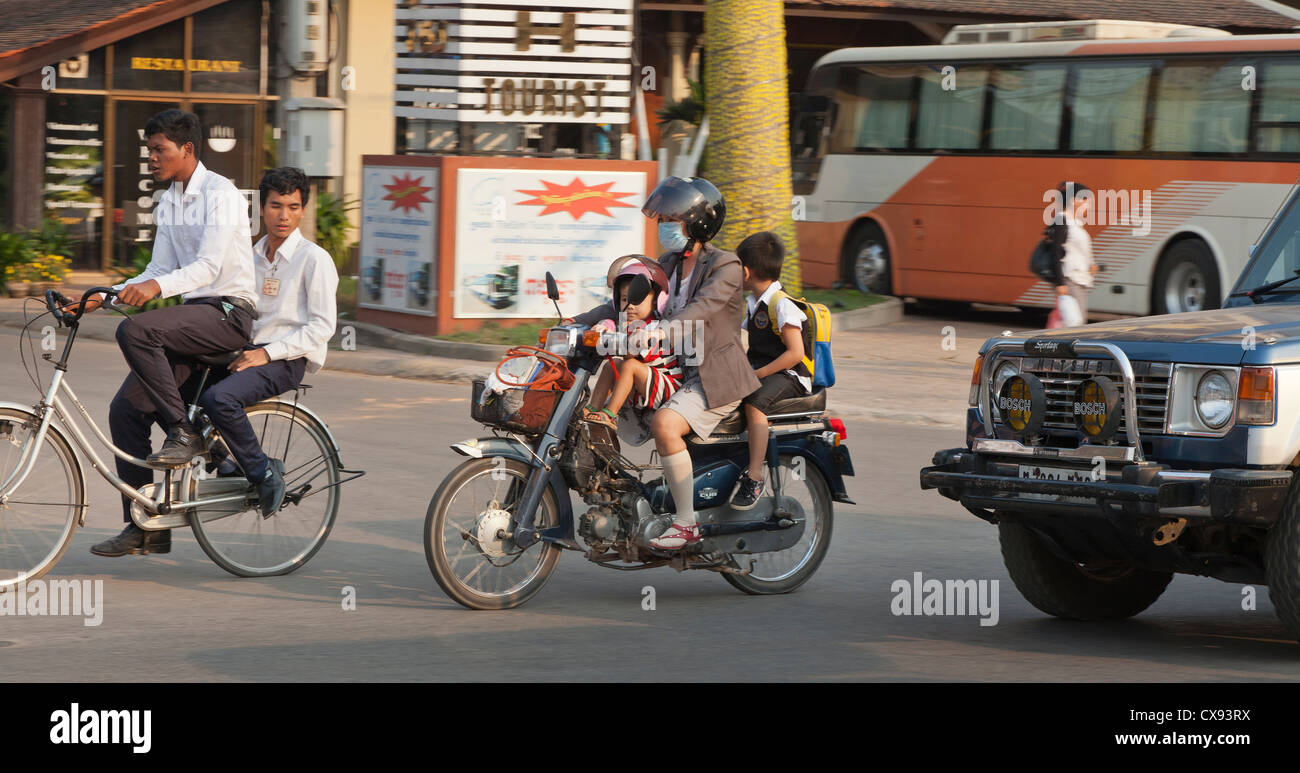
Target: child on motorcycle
[[776, 352], [649, 372]]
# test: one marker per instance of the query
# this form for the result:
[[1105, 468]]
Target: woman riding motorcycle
[[705, 306]]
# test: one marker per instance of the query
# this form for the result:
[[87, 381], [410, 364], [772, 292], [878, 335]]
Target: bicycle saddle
[[218, 359]]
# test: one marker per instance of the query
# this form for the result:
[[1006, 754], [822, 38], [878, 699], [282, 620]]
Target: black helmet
[[692, 200]]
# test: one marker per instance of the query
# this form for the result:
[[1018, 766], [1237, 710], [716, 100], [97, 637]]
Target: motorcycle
[[497, 524]]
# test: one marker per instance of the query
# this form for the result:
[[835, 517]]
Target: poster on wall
[[399, 214], [514, 225]]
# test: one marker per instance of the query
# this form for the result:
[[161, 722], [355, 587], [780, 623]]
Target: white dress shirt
[[203, 245], [1076, 264], [786, 314], [296, 316]]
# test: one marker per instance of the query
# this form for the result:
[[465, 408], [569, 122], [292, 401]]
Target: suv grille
[[1061, 376]]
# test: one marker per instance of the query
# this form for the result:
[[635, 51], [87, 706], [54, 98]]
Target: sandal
[[677, 537], [603, 416]]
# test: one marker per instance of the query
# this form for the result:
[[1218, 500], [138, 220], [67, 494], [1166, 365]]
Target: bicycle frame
[[51, 405]]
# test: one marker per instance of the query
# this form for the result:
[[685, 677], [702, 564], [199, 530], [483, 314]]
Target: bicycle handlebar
[[55, 301]]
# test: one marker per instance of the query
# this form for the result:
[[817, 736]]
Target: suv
[[1113, 455]]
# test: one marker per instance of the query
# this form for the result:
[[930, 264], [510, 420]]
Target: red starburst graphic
[[576, 198], [407, 193]]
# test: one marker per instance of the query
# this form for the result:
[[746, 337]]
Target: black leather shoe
[[270, 490], [183, 444], [134, 540]]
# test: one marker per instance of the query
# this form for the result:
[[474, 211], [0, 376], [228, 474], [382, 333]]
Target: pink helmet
[[640, 265]]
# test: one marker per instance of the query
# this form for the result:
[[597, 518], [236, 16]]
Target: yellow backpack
[[816, 338]]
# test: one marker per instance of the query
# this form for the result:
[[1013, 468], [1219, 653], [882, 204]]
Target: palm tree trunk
[[745, 77]]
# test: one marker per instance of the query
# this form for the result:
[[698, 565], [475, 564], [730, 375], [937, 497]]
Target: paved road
[[179, 617]]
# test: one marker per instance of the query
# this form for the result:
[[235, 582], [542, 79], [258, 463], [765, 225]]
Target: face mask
[[671, 237]]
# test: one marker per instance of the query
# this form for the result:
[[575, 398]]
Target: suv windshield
[[1275, 259]]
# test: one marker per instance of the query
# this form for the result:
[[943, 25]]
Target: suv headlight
[[1202, 400], [1005, 369], [1214, 399]]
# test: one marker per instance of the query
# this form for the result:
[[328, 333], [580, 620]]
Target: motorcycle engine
[[618, 517]]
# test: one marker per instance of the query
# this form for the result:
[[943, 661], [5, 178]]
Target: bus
[[926, 171]]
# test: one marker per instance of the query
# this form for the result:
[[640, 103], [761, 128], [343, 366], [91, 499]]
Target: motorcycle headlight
[[1214, 399], [560, 340]]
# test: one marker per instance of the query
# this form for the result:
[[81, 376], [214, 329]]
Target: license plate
[[1039, 472]]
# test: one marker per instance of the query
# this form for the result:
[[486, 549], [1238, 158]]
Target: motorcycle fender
[[509, 448], [828, 460]]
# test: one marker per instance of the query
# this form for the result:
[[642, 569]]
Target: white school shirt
[[299, 319], [786, 314], [203, 244], [1078, 253]]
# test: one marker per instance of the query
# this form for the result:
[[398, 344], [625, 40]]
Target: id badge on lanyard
[[270, 286]]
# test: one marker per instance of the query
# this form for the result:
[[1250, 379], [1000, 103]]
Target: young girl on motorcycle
[[649, 372]]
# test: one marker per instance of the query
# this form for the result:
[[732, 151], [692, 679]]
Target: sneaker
[[134, 540], [183, 444], [677, 536], [270, 491], [747, 493]]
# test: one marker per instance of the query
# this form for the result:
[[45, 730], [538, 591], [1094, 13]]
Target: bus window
[[1109, 103], [874, 108], [1278, 130], [1026, 106], [950, 118], [1201, 108]]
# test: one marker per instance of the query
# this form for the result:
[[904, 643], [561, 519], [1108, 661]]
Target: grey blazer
[[717, 299]]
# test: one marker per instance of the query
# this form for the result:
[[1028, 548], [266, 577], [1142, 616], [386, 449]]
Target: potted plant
[[52, 269], [16, 249]]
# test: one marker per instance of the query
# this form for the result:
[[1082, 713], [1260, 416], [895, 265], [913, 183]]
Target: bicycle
[[222, 511]]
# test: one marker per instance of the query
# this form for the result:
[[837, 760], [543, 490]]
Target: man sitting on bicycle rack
[[296, 318], [202, 251]]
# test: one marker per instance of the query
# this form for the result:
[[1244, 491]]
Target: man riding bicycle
[[296, 318], [202, 251]]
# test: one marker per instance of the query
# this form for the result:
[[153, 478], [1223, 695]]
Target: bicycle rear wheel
[[248, 545], [38, 518]]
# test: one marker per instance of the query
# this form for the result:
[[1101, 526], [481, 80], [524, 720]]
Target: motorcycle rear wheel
[[784, 570], [464, 536]]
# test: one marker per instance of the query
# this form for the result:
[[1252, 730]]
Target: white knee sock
[[677, 471]]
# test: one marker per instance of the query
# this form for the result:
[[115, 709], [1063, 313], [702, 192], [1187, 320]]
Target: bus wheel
[[1186, 280], [868, 261]]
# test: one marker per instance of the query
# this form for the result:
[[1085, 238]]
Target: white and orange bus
[[921, 171]]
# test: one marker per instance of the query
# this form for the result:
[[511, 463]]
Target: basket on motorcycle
[[522, 392], [522, 410]]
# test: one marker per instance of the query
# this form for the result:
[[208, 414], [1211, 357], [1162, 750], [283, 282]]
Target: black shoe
[[183, 444], [270, 490], [747, 493], [134, 540]]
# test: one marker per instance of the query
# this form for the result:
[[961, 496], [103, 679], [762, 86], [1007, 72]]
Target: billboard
[[514, 225], [398, 252]]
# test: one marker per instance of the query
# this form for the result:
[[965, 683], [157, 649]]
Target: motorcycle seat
[[787, 410]]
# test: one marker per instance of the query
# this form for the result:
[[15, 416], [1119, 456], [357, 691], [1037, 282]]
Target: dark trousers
[[224, 403], [157, 346], [153, 342], [131, 417]]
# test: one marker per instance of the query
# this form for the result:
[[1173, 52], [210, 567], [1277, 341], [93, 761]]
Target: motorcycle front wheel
[[468, 536], [782, 571]]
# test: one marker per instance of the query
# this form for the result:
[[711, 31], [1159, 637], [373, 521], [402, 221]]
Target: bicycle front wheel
[[248, 545], [38, 518]]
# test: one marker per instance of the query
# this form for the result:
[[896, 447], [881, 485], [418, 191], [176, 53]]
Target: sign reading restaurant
[[526, 61]]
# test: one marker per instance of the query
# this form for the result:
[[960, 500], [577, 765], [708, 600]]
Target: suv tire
[[1282, 563], [1064, 589]]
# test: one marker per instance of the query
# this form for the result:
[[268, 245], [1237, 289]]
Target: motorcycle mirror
[[553, 292], [637, 290]]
